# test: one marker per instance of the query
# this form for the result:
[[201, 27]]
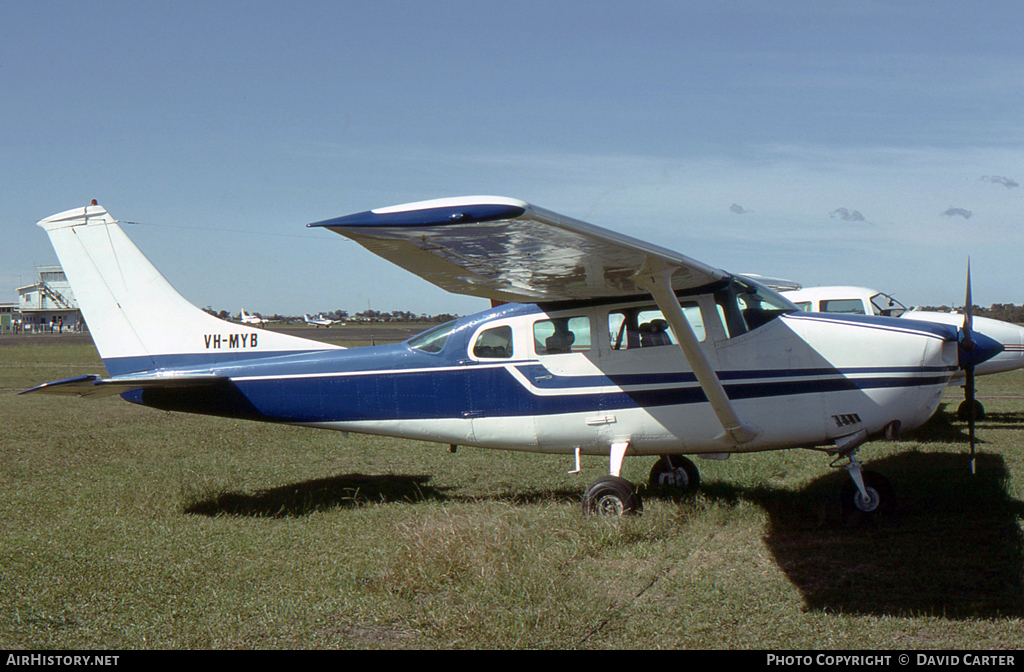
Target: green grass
[[125, 527]]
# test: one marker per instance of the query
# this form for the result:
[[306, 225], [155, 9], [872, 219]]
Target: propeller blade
[[967, 345], [968, 303], [971, 410]]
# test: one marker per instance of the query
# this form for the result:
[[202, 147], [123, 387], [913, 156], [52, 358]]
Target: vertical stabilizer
[[137, 319]]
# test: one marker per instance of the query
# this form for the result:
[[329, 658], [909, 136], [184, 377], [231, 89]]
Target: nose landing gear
[[868, 492]]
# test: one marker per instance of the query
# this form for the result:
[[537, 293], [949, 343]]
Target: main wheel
[[880, 495], [612, 496], [676, 472]]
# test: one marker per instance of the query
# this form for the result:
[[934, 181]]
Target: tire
[[881, 496], [963, 411], [612, 496], [676, 473]]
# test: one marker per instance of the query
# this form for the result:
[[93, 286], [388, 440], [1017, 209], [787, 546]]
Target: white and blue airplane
[[319, 321], [246, 318], [606, 346]]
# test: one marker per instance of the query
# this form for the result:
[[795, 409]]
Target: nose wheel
[[963, 411], [868, 492]]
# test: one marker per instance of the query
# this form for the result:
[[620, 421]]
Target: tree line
[[343, 316], [1005, 312]]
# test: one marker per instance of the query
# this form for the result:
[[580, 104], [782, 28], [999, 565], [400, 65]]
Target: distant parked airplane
[[320, 321], [253, 319]]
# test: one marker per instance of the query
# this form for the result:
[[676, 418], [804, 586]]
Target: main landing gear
[[676, 472], [614, 495]]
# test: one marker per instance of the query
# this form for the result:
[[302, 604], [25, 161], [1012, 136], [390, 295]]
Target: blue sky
[[868, 143]]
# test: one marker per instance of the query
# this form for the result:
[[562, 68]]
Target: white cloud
[[847, 215], [958, 212], [999, 179]]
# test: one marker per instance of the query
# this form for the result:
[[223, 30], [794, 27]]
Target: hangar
[[49, 305]]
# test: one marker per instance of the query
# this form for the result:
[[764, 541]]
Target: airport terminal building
[[48, 306]]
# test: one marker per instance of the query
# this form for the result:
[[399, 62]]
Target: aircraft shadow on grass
[[322, 494], [1013, 420], [945, 427], [951, 546]]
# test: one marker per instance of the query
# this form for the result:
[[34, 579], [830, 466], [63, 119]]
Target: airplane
[[597, 344], [319, 321], [865, 301], [253, 319]]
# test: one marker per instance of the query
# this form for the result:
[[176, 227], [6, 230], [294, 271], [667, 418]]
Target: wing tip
[[435, 212]]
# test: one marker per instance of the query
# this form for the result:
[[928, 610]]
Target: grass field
[[125, 527]]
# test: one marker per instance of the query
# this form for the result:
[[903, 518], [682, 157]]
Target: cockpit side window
[[561, 335], [494, 343], [646, 327], [884, 304], [848, 306]]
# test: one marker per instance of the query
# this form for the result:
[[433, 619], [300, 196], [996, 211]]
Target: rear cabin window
[[561, 335], [494, 343], [647, 327]]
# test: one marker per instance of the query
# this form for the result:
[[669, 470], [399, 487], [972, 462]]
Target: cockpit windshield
[[883, 304], [432, 340]]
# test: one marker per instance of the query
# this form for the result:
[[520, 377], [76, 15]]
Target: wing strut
[[659, 284]]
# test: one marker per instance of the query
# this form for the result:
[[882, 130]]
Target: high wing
[[508, 250]]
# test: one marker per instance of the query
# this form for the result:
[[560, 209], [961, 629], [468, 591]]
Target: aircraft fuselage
[[495, 380]]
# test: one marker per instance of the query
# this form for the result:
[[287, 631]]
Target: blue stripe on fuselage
[[933, 329], [542, 378]]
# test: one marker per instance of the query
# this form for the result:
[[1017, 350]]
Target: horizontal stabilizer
[[94, 386]]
